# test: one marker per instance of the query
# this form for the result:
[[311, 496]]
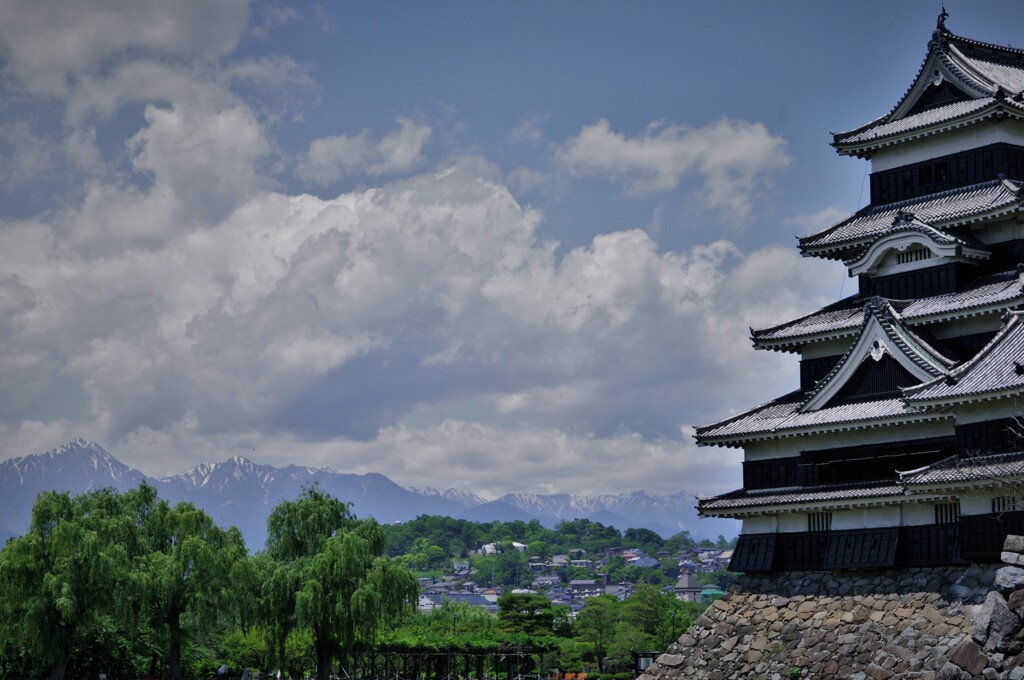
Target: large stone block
[[994, 625], [1014, 544], [671, 660], [1016, 602], [969, 656], [1009, 579], [952, 672]]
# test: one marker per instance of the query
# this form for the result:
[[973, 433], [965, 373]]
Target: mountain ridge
[[238, 491]]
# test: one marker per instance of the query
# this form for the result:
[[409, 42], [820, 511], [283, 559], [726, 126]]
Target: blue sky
[[493, 246]]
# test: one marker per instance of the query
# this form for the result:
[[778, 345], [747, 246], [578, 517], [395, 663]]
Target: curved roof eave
[[866, 148]]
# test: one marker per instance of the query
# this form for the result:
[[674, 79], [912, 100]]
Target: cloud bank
[[182, 306]]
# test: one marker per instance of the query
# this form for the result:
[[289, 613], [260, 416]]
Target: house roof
[[687, 581], [996, 292], [988, 80], [996, 371], [469, 598], [940, 212]]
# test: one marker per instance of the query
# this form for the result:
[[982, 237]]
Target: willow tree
[[57, 580], [185, 570], [329, 574]]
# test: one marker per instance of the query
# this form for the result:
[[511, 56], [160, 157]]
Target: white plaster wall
[[976, 503], [866, 518], [950, 142], [916, 514], [793, 522], [760, 525]]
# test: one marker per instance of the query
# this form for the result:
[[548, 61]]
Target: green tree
[[595, 624], [645, 539], [525, 613], [644, 609], [330, 575], [58, 579], [562, 618], [723, 578], [453, 619], [539, 548], [185, 569], [512, 569], [485, 569]]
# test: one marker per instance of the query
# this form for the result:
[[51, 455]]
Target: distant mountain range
[[240, 492]]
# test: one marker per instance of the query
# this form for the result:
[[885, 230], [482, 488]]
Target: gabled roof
[[942, 211], [995, 372], [881, 333], [993, 293], [988, 81], [907, 231]]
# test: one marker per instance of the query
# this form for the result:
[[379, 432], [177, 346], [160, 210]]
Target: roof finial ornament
[[940, 25], [902, 217]]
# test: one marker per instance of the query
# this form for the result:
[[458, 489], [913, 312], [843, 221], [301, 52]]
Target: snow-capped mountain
[[463, 498], [77, 467], [240, 492]]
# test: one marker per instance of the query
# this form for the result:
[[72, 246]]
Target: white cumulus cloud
[[50, 44], [732, 158], [331, 158]]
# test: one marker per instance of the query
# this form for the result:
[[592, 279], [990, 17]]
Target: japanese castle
[[900, 446]]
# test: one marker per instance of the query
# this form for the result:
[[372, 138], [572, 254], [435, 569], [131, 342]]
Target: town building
[[899, 447], [687, 588]]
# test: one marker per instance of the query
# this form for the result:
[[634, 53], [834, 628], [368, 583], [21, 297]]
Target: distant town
[[550, 578], [567, 564]]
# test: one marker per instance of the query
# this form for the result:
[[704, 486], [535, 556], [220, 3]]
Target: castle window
[[947, 513], [913, 255], [1006, 504], [819, 521]]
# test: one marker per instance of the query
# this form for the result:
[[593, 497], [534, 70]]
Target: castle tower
[[898, 448]]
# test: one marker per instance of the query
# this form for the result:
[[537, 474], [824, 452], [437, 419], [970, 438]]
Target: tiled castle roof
[[743, 498], [908, 345], [990, 78], [996, 292], [800, 413], [782, 417], [942, 211], [995, 371], [957, 469], [931, 479], [984, 107]]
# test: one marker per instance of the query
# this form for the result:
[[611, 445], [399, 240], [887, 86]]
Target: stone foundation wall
[[897, 624]]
